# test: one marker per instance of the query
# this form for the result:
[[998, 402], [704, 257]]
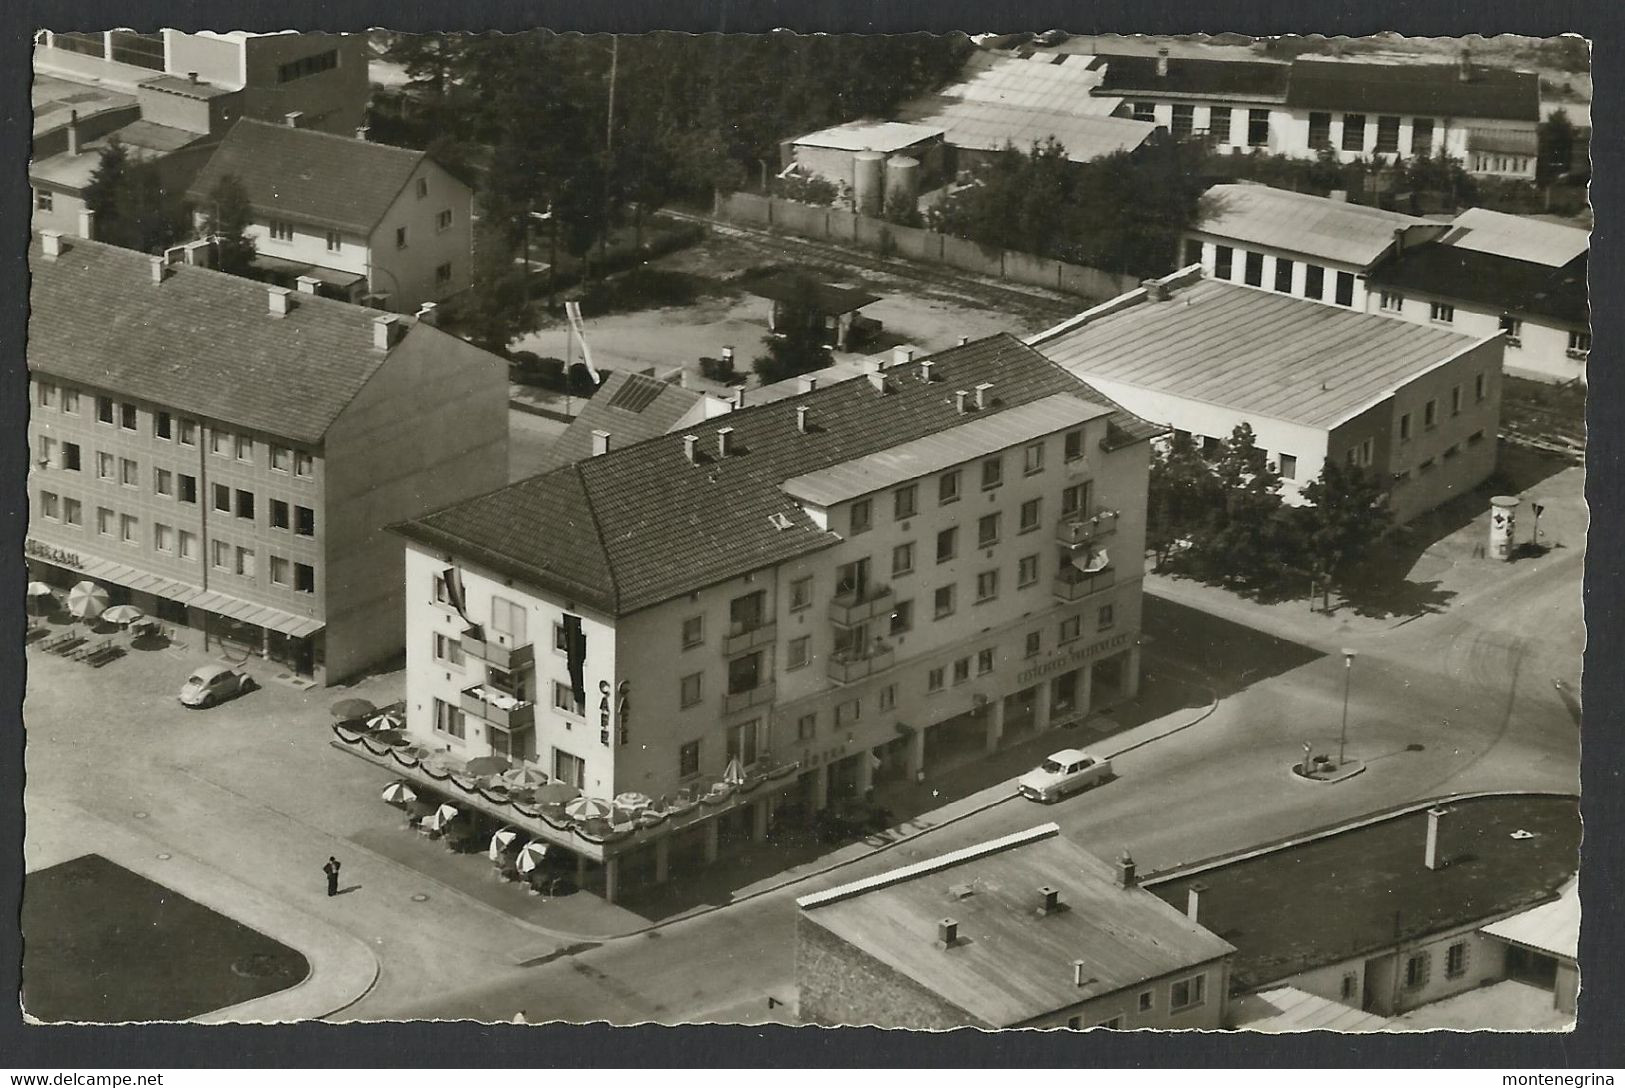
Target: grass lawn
[[103, 944], [1338, 897]]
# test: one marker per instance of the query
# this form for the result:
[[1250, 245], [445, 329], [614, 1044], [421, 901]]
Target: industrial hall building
[[225, 455], [790, 603]]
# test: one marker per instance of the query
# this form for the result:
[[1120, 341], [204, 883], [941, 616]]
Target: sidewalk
[[342, 969]]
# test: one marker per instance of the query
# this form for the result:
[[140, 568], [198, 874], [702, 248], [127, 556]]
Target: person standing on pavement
[[332, 871]]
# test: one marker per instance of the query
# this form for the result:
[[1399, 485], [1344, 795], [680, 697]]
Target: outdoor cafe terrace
[[556, 813]]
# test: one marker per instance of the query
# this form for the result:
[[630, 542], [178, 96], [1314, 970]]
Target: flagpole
[[569, 354]]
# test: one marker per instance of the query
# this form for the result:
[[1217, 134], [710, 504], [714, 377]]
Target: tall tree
[[799, 349], [106, 184], [1183, 493], [132, 208], [1556, 138], [1347, 515], [1239, 545], [226, 217]]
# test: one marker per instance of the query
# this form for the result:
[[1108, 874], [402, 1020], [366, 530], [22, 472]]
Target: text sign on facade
[[1076, 657]]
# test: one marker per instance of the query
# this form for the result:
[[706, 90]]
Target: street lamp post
[[1343, 736]]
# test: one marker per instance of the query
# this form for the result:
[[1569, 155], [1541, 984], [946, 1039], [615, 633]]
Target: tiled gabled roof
[[308, 176], [659, 405], [640, 525], [201, 342]]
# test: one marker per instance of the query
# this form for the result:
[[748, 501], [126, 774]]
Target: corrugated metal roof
[[1286, 1008], [1003, 100], [1552, 927], [1317, 226], [1254, 351], [1518, 237], [1012, 963], [933, 453], [870, 136]]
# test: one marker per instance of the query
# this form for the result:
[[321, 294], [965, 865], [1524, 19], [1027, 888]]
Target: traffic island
[[1325, 770]]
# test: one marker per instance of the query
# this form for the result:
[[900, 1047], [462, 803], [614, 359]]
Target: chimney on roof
[[73, 132], [725, 441], [963, 340], [293, 118], [191, 77], [1125, 870], [1339, 195], [278, 301], [947, 933], [87, 223], [902, 356], [600, 443], [877, 379], [386, 332], [801, 418], [1399, 241], [1433, 856], [159, 270], [727, 358], [1464, 65], [426, 313], [984, 395], [925, 371], [308, 284], [1050, 900], [739, 397], [1155, 290], [691, 448], [961, 398], [1079, 967], [50, 242], [1193, 901], [1162, 62], [808, 383], [361, 132]]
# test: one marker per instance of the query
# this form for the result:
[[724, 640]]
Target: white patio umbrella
[[523, 777], [734, 773], [87, 600], [388, 719], [501, 841], [587, 808], [399, 793], [38, 589], [440, 817], [530, 856], [123, 615], [632, 801]]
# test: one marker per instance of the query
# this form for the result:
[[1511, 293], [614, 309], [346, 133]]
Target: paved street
[[254, 791]]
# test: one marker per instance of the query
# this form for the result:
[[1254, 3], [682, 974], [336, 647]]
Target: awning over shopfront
[[141, 581]]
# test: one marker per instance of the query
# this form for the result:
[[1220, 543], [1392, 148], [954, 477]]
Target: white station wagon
[[1067, 771]]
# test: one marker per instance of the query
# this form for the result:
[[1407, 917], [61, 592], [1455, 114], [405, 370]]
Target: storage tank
[[903, 179], [868, 184]]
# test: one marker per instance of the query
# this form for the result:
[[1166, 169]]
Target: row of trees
[[1122, 213], [1222, 519]]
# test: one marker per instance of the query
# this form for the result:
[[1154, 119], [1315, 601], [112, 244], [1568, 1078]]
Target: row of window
[[1212, 447], [1356, 127], [281, 230], [448, 718], [742, 742], [905, 499], [1252, 273], [1185, 993], [180, 543], [312, 65], [1430, 409], [1483, 162], [1183, 122], [178, 429], [1451, 452]]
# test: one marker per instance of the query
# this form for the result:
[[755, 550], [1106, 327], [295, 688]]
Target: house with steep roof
[[1418, 407], [347, 218], [1299, 244], [1024, 931], [225, 455], [1492, 272], [809, 597]]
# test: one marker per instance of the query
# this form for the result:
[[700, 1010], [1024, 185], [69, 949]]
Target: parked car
[[213, 684], [1067, 771], [1051, 37]]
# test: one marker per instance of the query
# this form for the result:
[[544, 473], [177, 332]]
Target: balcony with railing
[[506, 658], [760, 695], [1076, 530], [1072, 584], [850, 666], [743, 637], [856, 606], [498, 707]]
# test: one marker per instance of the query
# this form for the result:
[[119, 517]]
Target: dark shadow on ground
[[1231, 656]]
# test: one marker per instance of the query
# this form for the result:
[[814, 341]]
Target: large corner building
[[860, 584]]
